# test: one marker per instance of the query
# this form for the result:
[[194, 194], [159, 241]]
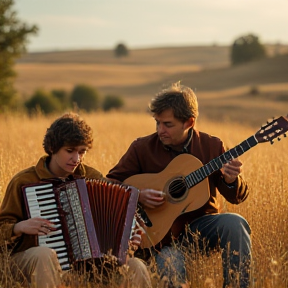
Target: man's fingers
[[153, 193], [153, 204]]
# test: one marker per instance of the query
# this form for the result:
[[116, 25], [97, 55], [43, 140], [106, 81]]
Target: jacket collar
[[43, 172], [185, 144]]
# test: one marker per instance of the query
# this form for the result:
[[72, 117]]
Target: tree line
[[13, 41], [82, 97]]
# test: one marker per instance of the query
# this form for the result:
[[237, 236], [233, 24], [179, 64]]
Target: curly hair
[[181, 99], [68, 130]]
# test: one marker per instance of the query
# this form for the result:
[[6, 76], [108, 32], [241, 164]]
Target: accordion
[[92, 217]]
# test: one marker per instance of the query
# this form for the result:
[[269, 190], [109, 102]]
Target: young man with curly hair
[[66, 143]]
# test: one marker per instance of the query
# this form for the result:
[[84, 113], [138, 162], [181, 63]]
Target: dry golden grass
[[265, 168]]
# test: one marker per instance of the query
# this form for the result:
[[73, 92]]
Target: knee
[[235, 230], [234, 222], [137, 266], [138, 273], [43, 254]]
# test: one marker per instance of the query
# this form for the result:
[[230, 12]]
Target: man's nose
[[160, 128], [76, 157]]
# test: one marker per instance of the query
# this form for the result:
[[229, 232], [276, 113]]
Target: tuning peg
[[285, 135], [263, 127], [272, 142], [279, 138]]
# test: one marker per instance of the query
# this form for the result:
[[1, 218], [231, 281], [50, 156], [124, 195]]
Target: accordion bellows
[[93, 217]]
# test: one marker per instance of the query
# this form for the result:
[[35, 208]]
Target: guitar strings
[[178, 187]]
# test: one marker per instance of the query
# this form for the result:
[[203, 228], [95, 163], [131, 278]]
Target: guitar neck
[[200, 174]]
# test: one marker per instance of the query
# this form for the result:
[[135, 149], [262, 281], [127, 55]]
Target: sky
[[102, 24]]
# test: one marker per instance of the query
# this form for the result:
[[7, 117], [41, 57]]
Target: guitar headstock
[[273, 129]]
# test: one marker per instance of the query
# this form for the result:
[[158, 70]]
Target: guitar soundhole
[[177, 190]]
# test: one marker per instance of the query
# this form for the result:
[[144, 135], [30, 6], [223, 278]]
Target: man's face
[[66, 160], [171, 130]]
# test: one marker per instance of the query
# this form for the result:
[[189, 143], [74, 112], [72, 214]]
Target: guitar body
[[176, 204]]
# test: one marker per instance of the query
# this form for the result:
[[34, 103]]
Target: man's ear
[[190, 123]]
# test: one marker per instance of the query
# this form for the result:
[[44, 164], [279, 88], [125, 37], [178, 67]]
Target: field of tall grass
[[265, 169]]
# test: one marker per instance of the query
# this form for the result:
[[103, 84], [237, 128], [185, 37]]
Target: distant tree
[[86, 97], [45, 101], [121, 50], [112, 102], [13, 40], [247, 48]]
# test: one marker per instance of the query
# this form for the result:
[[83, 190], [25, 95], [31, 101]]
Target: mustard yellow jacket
[[13, 209]]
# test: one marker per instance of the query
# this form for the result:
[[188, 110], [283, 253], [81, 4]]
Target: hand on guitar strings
[[231, 170], [33, 226], [151, 198]]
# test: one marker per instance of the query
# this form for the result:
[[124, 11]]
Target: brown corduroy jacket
[[13, 208], [148, 155]]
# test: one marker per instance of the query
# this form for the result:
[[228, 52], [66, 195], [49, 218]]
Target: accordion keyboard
[[42, 203], [92, 217]]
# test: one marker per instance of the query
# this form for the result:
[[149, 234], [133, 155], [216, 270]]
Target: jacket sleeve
[[234, 193], [127, 166], [11, 211]]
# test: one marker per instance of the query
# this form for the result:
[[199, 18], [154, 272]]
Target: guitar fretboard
[[203, 172]]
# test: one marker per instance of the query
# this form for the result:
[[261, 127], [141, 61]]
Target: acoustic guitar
[[186, 191]]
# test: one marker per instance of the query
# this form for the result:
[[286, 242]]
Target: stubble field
[[228, 110], [265, 169]]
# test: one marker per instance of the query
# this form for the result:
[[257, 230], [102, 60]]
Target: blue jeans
[[227, 232]]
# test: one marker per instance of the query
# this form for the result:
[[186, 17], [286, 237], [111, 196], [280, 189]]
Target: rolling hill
[[223, 91]]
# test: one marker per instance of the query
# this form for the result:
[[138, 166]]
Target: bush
[[86, 97], [112, 102], [63, 97], [247, 48], [44, 101], [121, 50], [254, 90]]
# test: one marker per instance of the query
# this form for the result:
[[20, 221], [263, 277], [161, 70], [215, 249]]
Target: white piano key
[[38, 191], [56, 220], [49, 212], [39, 197], [44, 208], [40, 185], [56, 232], [50, 234], [49, 240], [49, 216], [36, 213], [59, 249], [56, 226], [64, 260], [55, 245], [61, 255], [65, 267], [41, 203]]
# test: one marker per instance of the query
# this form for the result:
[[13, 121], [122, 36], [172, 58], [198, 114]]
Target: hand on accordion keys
[[34, 226]]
